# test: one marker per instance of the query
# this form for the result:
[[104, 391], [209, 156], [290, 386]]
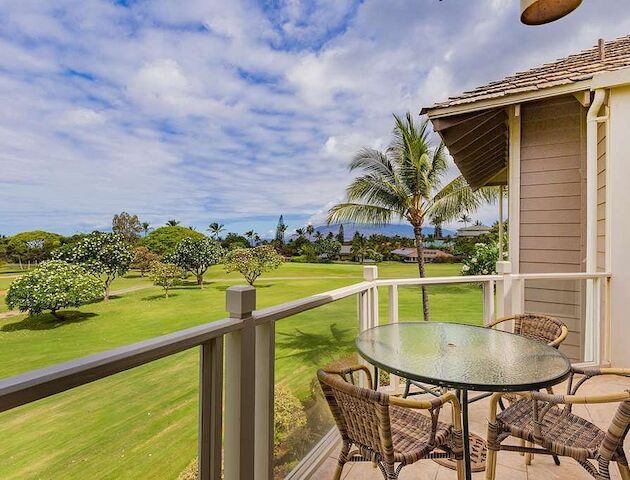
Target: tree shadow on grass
[[48, 321], [317, 348], [223, 288], [159, 296]]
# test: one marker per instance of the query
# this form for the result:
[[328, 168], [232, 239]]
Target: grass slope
[[142, 423]]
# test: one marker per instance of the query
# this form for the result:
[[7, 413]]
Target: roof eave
[[507, 100]]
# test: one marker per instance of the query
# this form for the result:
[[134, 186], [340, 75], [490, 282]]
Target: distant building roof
[[345, 250], [574, 68], [411, 252], [473, 231]]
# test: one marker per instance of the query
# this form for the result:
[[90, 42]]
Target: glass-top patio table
[[463, 357]]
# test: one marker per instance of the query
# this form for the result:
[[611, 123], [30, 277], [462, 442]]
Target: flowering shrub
[[196, 255], [165, 275], [252, 262], [105, 255], [52, 286], [483, 259]]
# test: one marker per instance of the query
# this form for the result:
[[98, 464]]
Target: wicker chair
[[538, 418], [388, 430], [537, 326]]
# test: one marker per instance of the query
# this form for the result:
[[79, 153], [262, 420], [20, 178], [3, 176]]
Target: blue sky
[[235, 111]]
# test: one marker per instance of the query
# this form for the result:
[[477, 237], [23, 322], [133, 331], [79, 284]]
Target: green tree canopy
[[105, 255], [163, 240], [327, 249], [252, 262], [143, 258], [52, 286], [33, 246], [196, 255]]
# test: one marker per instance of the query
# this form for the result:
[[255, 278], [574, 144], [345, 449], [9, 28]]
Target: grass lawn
[[142, 423]]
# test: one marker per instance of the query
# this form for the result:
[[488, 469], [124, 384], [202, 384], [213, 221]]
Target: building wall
[[552, 211], [601, 196], [619, 218]]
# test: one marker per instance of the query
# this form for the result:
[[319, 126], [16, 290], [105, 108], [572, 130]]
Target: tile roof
[[574, 68]]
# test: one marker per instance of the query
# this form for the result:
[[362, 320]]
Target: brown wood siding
[[552, 224]]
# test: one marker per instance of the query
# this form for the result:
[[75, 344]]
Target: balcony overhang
[[478, 142]]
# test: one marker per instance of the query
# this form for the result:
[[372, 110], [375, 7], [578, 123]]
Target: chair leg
[[343, 458], [460, 469], [407, 387], [528, 456], [491, 464], [624, 471]]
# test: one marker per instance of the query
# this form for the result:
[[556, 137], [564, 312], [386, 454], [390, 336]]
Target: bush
[[483, 259], [166, 275], [52, 286], [252, 262], [163, 240]]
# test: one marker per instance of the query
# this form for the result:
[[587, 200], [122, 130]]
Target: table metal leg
[[375, 386], [466, 434]]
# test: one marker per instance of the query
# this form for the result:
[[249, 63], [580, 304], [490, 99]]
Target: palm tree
[[465, 219], [250, 235], [405, 182], [257, 239], [145, 227], [310, 230], [318, 236], [172, 223], [215, 229], [299, 232]]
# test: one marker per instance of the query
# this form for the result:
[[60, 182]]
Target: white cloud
[[234, 110]]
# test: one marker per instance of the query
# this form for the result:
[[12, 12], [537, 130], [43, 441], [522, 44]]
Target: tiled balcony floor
[[510, 465]]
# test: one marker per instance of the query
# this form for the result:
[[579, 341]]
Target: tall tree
[[299, 232], [146, 226], [437, 224], [215, 229], [310, 230], [281, 228], [340, 234], [465, 219], [405, 182], [250, 235], [318, 236], [127, 226]]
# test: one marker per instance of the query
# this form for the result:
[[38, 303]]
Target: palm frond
[[458, 197], [359, 213], [374, 161], [374, 190]]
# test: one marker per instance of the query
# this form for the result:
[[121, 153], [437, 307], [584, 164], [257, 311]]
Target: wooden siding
[[552, 212]]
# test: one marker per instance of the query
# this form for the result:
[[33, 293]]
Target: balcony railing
[[236, 367]]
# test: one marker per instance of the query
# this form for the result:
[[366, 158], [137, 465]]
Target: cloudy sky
[[234, 111]]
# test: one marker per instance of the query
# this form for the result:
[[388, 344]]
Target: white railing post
[[370, 274], [488, 302], [265, 366], [392, 317], [240, 355], [504, 290], [210, 409]]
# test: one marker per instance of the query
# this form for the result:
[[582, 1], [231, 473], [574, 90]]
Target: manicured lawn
[[142, 423]]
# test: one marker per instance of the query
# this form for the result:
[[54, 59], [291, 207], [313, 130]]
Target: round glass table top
[[463, 356]]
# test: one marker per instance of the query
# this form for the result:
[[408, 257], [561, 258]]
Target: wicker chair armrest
[[433, 404], [564, 331], [348, 372], [595, 371], [579, 399], [500, 320]]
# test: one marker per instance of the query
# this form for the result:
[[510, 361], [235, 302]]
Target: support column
[[240, 355]]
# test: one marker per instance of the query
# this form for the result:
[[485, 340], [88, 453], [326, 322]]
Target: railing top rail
[[561, 276], [44, 382], [289, 309], [438, 280]]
